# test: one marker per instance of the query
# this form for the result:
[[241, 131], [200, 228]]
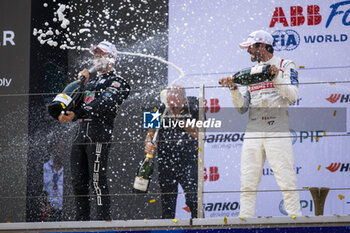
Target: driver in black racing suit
[[96, 114]]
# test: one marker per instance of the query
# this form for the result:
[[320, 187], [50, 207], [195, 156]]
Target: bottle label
[[63, 98], [256, 70], [141, 184]]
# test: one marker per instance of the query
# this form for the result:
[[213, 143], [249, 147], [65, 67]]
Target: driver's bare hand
[[228, 82], [273, 70], [66, 118], [150, 148]]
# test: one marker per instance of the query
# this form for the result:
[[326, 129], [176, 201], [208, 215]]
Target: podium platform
[[218, 225]]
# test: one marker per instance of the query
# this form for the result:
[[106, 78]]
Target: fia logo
[[285, 40], [151, 120]]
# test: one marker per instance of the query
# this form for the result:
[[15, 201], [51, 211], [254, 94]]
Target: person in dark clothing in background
[[177, 152], [102, 97]]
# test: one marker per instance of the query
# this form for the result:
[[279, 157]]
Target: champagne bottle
[[69, 98], [249, 76], [144, 173], [252, 75], [145, 169]]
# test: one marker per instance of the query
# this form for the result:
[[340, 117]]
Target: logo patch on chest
[[294, 77], [261, 86], [116, 84], [89, 96]]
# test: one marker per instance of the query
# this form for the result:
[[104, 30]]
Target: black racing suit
[[89, 155], [178, 162]]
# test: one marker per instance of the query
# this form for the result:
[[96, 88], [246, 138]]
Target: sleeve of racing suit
[[241, 98], [286, 81], [110, 97]]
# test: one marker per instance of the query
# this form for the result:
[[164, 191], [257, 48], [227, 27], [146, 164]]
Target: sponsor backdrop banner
[[14, 85], [203, 41]]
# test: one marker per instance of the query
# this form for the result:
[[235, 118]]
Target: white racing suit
[[267, 134]]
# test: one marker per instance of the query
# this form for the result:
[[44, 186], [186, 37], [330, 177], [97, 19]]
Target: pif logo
[[304, 135], [285, 40], [304, 204], [313, 135]]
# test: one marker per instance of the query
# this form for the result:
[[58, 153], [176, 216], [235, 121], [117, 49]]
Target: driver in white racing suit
[[267, 132]]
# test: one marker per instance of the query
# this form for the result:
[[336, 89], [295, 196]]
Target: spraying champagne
[[249, 76], [69, 98]]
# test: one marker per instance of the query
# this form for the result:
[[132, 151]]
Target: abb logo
[[344, 167], [312, 15], [213, 174], [214, 105], [333, 98], [297, 17]]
